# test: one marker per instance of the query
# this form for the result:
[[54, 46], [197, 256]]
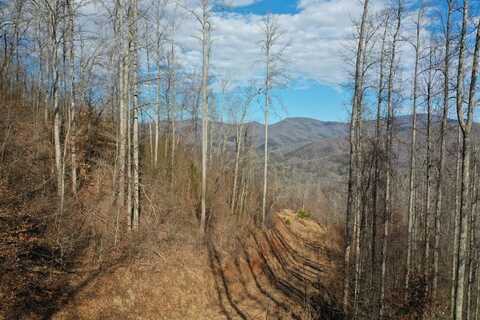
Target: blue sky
[[315, 98], [316, 101], [269, 6], [319, 101], [321, 32]]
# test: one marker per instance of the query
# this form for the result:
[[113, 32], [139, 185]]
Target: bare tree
[[428, 163], [466, 127], [53, 16], [71, 33], [376, 178], [135, 139], [122, 46], [388, 156], [354, 174], [456, 217], [472, 238], [273, 55], [443, 132], [411, 193], [239, 143], [204, 20]]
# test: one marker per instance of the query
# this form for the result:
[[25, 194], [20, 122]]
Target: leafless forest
[[134, 183]]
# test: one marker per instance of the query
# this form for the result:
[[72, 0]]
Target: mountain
[[292, 133], [317, 151]]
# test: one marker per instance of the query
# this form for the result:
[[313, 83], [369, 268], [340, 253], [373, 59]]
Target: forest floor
[[290, 271]]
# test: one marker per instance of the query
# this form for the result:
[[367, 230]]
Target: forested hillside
[[137, 183]]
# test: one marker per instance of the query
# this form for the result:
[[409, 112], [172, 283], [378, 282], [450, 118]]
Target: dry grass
[[176, 284], [71, 267], [182, 278]]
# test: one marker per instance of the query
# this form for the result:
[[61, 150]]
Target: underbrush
[[85, 262], [38, 246]]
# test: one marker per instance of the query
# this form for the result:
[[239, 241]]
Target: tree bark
[[136, 164], [205, 66], [265, 156], [388, 152], [411, 194], [456, 217], [123, 112], [353, 183], [466, 126], [441, 170], [378, 148], [57, 125], [472, 259], [71, 24], [428, 172], [173, 101]]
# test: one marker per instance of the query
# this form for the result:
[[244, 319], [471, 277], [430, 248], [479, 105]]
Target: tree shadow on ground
[[38, 270], [287, 280]]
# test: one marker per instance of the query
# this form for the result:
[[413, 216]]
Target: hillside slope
[[288, 272]]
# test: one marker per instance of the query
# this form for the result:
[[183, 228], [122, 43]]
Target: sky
[[317, 38], [323, 100], [316, 35], [320, 38]]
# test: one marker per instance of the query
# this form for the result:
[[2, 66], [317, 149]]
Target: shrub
[[303, 214]]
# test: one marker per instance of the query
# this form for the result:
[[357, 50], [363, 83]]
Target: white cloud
[[239, 3], [317, 35]]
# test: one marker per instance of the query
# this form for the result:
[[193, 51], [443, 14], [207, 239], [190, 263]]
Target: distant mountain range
[[316, 150], [310, 156]]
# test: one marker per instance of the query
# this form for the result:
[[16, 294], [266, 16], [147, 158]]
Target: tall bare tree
[[443, 132], [122, 46], [457, 302], [466, 127], [354, 171], [53, 14], [388, 156], [204, 20], [411, 188], [273, 53], [378, 148], [135, 112], [428, 162], [73, 127], [239, 142]]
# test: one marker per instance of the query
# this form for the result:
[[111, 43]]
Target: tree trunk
[[456, 221], [237, 165], [411, 193], [353, 183], [441, 170], [265, 157], [466, 155], [428, 172], [378, 148], [472, 241], [388, 156], [123, 112], [173, 101], [57, 125], [136, 164], [71, 16], [158, 39], [205, 67]]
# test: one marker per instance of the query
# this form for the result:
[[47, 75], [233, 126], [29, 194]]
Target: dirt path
[[287, 272]]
